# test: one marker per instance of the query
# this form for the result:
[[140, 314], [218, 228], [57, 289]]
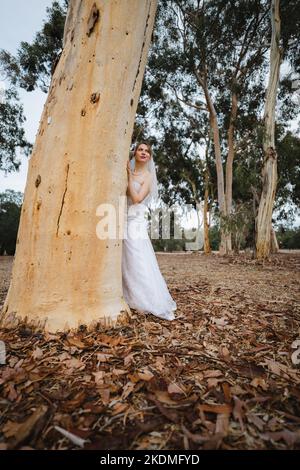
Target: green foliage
[[165, 229], [288, 238], [12, 134], [168, 245], [290, 27], [239, 223], [29, 69], [222, 45], [214, 237], [288, 147], [227, 44], [33, 64], [10, 211]]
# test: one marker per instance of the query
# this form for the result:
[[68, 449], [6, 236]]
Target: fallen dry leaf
[[223, 409], [145, 374], [259, 382], [37, 353], [175, 389], [21, 431], [73, 341]]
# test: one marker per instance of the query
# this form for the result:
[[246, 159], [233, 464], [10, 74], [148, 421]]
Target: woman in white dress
[[144, 287]]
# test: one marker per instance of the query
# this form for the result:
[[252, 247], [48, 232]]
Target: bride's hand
[[128, 170]]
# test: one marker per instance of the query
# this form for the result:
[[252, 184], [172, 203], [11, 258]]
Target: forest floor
[[223, 375]]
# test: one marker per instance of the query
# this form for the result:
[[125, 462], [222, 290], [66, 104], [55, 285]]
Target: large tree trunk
[[269, 172], [63, 274]]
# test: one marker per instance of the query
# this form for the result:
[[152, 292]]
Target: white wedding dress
[[144, 287]]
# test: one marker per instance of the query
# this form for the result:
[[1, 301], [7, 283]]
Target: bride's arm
[[144, 191]]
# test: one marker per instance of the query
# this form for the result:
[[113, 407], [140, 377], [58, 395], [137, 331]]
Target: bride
[[144, 287]]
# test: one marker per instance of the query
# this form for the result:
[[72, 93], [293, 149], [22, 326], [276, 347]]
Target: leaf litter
[[218, 377]]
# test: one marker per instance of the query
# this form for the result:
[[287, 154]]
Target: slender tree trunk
[[230, 157], [269, 172], [224, 247], [206, 219], [274, 243], [199, 238], [63, 274], [207, 248]]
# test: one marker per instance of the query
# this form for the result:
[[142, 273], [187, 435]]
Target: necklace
[[138, 173]]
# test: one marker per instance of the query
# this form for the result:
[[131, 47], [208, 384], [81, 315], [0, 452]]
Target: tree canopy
[[224, 45]]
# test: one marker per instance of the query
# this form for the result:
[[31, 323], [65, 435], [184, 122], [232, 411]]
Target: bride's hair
[[140, 143]]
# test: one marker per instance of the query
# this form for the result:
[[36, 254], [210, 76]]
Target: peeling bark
[[229, 164], [231, 151], [143, 46], [263, 222], [206, 220], [93, 18], [63, 199], [207, 247], [274, 242]]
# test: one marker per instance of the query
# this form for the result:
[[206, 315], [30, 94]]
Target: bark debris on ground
[[223, 375]]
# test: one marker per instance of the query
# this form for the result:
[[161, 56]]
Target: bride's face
[[142, 154]]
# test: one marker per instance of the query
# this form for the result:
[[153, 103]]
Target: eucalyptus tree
[[209, 57], [63, 274]]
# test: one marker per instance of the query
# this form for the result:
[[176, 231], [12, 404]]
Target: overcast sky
[[19, 21]]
